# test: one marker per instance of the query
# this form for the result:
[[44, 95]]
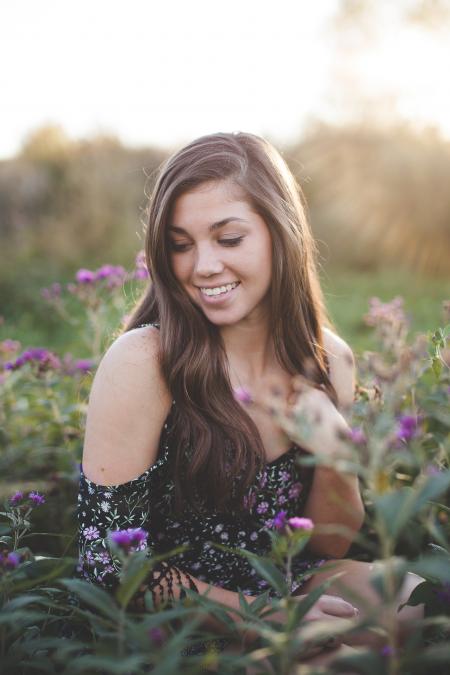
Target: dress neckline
[[283, 455]]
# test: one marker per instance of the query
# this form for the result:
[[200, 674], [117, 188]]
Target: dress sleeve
[[127, 506]]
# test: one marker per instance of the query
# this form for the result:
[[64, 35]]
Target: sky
[[162, 73]]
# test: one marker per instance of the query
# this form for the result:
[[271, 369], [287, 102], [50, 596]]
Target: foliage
[[52, 621]]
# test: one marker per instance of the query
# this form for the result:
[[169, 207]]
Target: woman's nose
[[207, 262]]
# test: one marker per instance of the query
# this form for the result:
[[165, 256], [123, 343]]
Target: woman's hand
[[333, 610], [329, 606], [313, 421]]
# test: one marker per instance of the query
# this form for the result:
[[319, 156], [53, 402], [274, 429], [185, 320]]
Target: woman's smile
[[218, 294]]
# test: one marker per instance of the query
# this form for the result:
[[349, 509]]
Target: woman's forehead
[[208, 203]]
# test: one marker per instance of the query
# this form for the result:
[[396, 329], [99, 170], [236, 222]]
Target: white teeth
[[219, 289]]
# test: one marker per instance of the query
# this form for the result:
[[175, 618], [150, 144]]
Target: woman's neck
[[250, 353]]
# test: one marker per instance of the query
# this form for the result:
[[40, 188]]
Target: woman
[[234, 305]]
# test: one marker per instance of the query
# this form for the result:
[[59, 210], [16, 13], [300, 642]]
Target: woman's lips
[[217, 299]]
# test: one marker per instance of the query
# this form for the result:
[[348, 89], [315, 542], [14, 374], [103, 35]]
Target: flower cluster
[[114, 275], [130, 540], [18, 498], [47, 360], [389, 320], [52, 292], [37, 355]]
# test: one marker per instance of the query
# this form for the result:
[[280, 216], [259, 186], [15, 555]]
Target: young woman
[[233, 304]]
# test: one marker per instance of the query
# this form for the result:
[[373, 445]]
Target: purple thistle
[[10, 561], [16, 498], [84, 276], [407, 427], [38, 354], [300, 523], [36, 498], [280, 520], [132, 537], [104, 272], [84, 365]]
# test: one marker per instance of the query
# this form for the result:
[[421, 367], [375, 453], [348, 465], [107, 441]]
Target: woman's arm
[[335, 497]]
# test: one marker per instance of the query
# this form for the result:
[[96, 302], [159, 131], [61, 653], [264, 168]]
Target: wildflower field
[[53, 621]]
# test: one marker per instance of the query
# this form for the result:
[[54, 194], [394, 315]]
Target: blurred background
[[352, 92]]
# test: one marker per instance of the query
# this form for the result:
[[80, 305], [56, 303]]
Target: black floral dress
[[146, 502]]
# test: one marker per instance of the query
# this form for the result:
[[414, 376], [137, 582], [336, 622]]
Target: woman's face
[[215, 240]]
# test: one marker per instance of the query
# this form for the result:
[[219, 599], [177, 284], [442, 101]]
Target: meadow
[[51, 620]]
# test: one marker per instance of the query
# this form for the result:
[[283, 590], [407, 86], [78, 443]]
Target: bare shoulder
[[128, 404], [342, 366]]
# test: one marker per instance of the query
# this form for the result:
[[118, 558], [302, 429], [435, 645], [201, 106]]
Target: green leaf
[[434, 567], [396, 509], [93, 596], [303, 606]]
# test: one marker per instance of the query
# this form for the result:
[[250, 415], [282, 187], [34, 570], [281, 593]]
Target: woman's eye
[[231, 242], [178, 247], [224, 242]]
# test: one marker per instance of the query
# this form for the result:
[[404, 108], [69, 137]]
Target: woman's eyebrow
[[211, 228]]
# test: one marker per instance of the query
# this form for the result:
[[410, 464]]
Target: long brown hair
[[216, 444]]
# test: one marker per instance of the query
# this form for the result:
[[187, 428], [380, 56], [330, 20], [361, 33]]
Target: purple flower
[[280, 520], [300, 523], [54, 291], [16, 498], [10, 561], [281, 499], [113, 273], [38, 354], [132, 537], [157, 636], [141, 273], [84, 365], [91, 533], [104, 272], [386, 651], [84, 276], [241, 394], [407, 427], [36, 498]]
